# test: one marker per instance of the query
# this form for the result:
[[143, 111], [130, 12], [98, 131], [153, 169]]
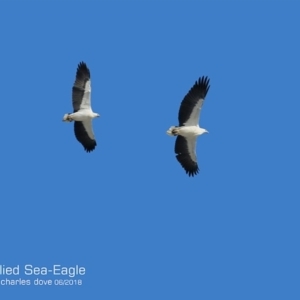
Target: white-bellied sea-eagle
[[82, 112], [188, 129]]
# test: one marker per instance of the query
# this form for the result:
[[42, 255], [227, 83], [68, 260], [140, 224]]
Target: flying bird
[[188, 129], [82, 112]]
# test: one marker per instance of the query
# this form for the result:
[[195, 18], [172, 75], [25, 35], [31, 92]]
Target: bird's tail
[[66, 118], [173, 131]]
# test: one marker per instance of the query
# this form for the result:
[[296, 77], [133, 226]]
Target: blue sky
[[127, 212]]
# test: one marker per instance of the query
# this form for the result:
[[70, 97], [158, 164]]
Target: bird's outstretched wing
[[191, 105], [185, 148], [81, 91], [84, 134]]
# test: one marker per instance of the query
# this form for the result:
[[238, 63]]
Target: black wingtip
[[203, 84], [192, 173], [82, 64], [82, 69], [91, 147], [89, 150], [191, 168]]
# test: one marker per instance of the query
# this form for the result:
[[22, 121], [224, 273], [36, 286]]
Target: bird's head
[[97, 115]]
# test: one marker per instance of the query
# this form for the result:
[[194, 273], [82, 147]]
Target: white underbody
[[187, 131], [85, 116], [82, 115]]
